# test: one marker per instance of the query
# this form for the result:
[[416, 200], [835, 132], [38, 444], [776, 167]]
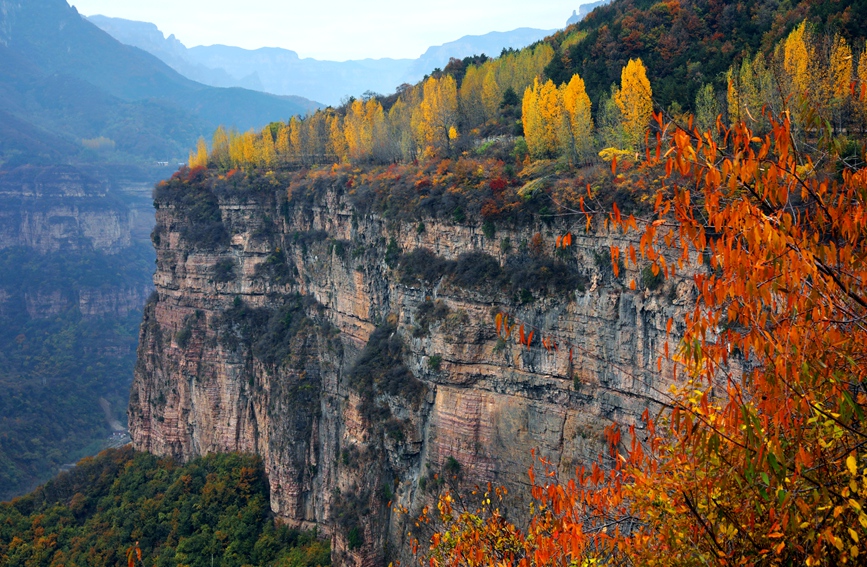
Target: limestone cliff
[[322, 338]]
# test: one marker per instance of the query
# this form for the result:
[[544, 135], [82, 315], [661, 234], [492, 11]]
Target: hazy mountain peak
[[282, 72]]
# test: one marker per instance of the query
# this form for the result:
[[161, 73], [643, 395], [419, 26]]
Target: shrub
[[224, 270]]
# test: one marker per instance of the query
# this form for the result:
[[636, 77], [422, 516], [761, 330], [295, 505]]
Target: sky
[[334, 29]]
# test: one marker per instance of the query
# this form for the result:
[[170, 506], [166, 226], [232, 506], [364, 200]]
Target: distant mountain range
[[283, 72], [71, 92]]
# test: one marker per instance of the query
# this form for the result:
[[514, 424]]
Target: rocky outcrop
[[303, 336]]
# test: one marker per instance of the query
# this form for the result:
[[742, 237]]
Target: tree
[[862, 84], [266, 151], [436, 121], [635, 101], [706, 108], [841, 78], [472, 109], [283, 148], [491, 93], [336, 139], [364, 127], [609, 121], [200, 158], [542, 116], [220, 149], [578, 128]]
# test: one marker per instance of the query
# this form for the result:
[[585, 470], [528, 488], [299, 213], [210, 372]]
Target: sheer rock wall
[[336, 457]]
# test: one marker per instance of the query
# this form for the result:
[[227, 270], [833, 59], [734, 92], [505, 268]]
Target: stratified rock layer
[[338, 452]]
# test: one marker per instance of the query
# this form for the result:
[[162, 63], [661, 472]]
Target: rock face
[[47, 209], [382, 381]]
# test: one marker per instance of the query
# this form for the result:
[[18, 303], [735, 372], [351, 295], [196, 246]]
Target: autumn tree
[[470, 95], [400, 132], [707, 108], [578, 122], [609, 123], [200, 157], [841, 66], [861, 103], [542, 116], [436, 117], [635, 101], [282, 146], [337, 139], [220, 149]]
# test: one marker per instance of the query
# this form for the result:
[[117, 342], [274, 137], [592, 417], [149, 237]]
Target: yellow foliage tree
[[437, 114], [578, 127], [491, 94], [364, 128], [862, 83], [542, 116], [336, 139], [635, 101], [400, 132], [220, 148], [474, 111], [266, 150], [295, 140], [282, 147], [841, 76], [797, 55], [200, 157]]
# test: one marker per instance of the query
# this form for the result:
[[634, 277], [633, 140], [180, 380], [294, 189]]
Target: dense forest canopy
[[213, 510]]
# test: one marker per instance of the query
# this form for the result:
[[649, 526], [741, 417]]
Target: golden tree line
[[808, 73], [425, 120], [558, 120]]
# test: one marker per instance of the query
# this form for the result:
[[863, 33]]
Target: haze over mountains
[[63, 81], [283, 72]]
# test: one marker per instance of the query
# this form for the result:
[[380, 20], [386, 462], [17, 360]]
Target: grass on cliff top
[[214, 508]]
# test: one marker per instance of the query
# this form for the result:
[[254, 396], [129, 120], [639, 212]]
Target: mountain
[[491, 44], [283, 72], [63, 80], [583, 10]]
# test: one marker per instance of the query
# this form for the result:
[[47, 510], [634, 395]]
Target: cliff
[[357, 354]]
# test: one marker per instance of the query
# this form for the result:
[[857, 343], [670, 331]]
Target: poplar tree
[[578, 122], [635, 101]]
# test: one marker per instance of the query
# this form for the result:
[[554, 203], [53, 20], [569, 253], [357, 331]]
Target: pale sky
[[334, 29]]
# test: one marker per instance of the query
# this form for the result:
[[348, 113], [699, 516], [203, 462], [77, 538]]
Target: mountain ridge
[[65, 76], [282, 71]]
